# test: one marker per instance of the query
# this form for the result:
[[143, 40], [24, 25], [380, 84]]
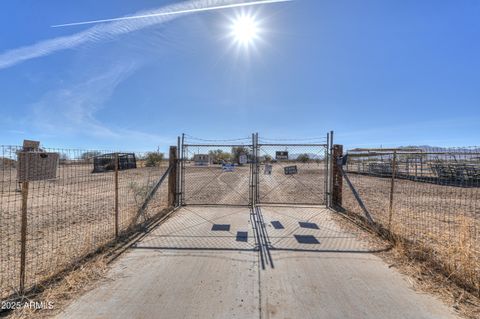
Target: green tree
[[153, 159], [219, 156], [237, 151], [304, 158]]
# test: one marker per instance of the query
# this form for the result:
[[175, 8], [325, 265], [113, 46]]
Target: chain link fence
[[219, 174], [59, 205], [292, 174], [252, 169], [429, 198]]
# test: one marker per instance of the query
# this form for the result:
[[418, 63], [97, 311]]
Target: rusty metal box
[[36, 166]]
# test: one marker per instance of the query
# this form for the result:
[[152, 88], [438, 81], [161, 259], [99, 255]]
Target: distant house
[[201, 159]]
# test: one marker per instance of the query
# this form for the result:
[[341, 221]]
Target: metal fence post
[[337, 176], [172, 176], [179, 172], [23, 248], [257, 170], [330, 182], [182, 171], [116, 195], [392, 189], [253, 163], [327, 167]]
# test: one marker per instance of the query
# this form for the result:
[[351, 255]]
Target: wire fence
[[217, 174], [59, 205], [429, 198], [254, 169], [292, 173]]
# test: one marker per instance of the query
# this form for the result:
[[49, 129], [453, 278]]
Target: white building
[[201, 159]]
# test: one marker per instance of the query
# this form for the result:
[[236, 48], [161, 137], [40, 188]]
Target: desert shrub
[[304, 158], [140, 192], [153, 159]]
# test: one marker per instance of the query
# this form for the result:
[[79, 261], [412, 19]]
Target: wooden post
[[172, 177], [116, 195], [416, 169], [421, 165], [392, 190], [23, 240], [337, 176]]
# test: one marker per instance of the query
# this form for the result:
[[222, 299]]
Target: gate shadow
[[260, 229], [312, 230], [203, 228]]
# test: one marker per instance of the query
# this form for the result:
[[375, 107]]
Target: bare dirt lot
[[68, 217], [211, 185]]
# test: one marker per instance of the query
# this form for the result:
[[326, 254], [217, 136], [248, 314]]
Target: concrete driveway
[[270, 262]]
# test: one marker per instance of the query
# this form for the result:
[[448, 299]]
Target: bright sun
[[245, 30]]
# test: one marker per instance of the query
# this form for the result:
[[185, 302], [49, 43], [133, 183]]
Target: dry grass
[[68, 218], [441, 224], [58, 294], [420, 270], [84, 275], [425, 275]]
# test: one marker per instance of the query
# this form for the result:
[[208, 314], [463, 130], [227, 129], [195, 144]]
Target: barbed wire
[[266, 139], [216, 140], [293, 139]]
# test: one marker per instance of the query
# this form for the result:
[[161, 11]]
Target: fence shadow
[[261, 230]]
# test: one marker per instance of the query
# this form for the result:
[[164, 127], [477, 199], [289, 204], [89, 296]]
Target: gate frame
[[254, 181], [182, 161], [327, 155]]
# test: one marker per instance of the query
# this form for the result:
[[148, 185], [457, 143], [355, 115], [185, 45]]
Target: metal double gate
[[253, 171]]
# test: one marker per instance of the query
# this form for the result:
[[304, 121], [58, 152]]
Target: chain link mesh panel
[[217, 174], [292, 174]]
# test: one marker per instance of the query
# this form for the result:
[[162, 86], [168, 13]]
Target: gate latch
[[342, 161]]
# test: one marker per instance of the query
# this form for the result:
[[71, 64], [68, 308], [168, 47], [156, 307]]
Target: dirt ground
[[442, 221], [74, 214], [68, 217], [209, 184]]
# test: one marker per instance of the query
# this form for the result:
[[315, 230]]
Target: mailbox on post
[[34, 164]]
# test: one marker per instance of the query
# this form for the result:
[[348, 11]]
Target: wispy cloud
[[111, 30], [72, 109], [190, 10]]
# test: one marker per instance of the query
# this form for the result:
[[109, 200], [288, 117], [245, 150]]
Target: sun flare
[[245, 30]]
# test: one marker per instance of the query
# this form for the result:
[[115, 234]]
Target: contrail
[[109, 31], [228, 6]]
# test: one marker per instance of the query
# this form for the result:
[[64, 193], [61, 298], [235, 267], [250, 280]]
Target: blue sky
[[376, 72]]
